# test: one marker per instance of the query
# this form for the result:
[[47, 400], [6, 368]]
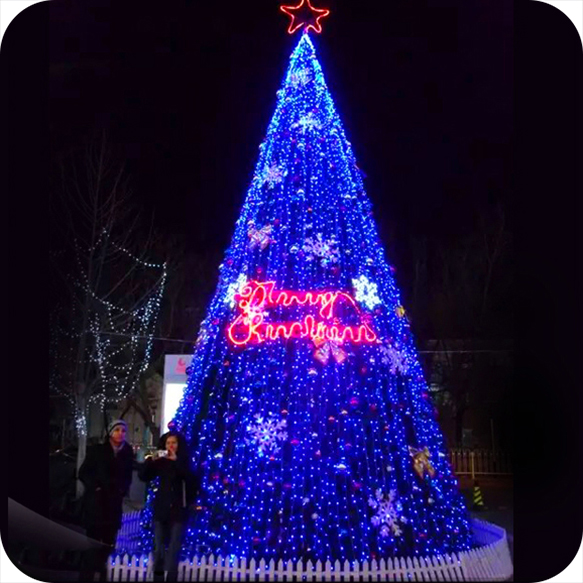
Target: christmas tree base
[[489, 561]]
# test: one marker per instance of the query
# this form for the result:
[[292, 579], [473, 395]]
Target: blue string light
[[301, 459]]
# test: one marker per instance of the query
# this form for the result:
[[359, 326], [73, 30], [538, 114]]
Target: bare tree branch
[[106, 287]]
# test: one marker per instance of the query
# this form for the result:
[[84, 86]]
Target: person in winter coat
[[106, 474], [176, 491]]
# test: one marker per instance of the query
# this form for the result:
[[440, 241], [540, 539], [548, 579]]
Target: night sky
[[186, 90]]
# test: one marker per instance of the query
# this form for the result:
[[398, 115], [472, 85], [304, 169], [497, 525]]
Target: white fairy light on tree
[[117, 344], [109, 296]]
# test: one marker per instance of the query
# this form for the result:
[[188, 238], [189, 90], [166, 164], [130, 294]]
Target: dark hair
[[182, 451]]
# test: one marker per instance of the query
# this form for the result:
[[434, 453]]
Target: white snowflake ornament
[[273, 175], [319, 249], [308, 122], [266, 433], [366, 292], [387, 513], [394, 359], [235, 288], [301, 77]]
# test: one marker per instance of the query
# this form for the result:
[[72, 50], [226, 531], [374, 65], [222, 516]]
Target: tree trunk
[[81, 425], [459, 425], [82, 447]]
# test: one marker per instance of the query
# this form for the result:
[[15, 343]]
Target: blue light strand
[[349, 425]]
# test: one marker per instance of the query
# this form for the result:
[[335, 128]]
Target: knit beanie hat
[[114, 424]]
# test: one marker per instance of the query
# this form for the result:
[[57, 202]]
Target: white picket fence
[[475, 462], [489, 562]]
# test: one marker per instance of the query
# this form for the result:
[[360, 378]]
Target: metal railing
[[482, 462]]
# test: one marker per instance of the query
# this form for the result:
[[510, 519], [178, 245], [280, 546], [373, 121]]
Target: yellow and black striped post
[[477, 495]]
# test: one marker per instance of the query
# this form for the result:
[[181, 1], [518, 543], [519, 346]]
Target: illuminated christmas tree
[[306, 406]]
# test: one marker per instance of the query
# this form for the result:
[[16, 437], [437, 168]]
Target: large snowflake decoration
[[273, 175], [301, 77], [308, 122], [366, 292], [395, 359], [266, 433], [319, 249], [387, 513], [235, 288]]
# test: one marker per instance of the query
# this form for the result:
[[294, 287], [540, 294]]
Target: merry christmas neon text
[[256, 297]]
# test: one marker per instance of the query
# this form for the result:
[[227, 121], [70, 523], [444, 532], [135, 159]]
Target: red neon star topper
[[305, 15]]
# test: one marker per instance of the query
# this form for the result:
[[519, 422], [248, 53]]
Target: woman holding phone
[[176, 491]]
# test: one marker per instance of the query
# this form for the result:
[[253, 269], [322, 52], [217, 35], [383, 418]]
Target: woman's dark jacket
[[177, 488], [107, 478]]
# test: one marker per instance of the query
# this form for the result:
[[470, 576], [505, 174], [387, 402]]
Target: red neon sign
[[305, 15], [256, 297]]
